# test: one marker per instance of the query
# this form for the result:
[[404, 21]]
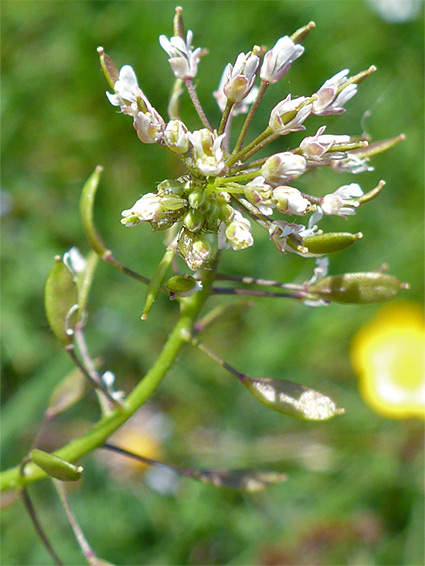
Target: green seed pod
[[55, 467], [108, 67], [60, 299], [358, 288], [292, 399], [331, 242]]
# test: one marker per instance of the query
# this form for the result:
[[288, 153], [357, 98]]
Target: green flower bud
[[182, 286], [193, 220], [331, 242], [197, 197], [171, 186], [358, 288], [291, 398], [55, 467]]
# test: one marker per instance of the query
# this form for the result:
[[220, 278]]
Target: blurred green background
[[355, 488]]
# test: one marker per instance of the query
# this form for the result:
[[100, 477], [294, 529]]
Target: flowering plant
[[225, 188]]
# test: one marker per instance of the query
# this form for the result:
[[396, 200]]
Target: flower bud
[[182, 286], [331, 242], [358, 288], [238, 232], [193, 220], [197, 197], [55, 467], [171, 187], [241, 77], [258, 192], [277, 61], [333, 94], [290, 201], [283, 167]]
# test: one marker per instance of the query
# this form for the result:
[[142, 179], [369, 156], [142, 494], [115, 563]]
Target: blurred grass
[[355, 489]]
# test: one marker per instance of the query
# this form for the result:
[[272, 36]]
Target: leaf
[[60, 296], [68, 392], [291, 398]]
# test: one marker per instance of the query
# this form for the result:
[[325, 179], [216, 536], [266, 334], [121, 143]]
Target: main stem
[[190, 308]]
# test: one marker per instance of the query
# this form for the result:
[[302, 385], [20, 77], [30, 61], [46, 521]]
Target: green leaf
[[85, 279], [291, 398], [68, 392], [55, 467], [60, 296]]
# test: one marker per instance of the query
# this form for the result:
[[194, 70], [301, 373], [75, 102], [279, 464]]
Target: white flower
[[290, 201], [148, 125], [238, 232], [183, 61], [332, 95], [279, 232], [315, 147], [278, 60], [74, 261], [352, 164], [108, 379], [241, 77], [259, 193], [283, 167], [126, 88], [176, 136], [145, 209], [207, 153], [288, 115], [340, 202]]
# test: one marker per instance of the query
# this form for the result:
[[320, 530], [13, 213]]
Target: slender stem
[[250, 116], [225, 116], [256, 293], [191, 306], [220, 181], [96, 384], [195, 101], [250, 165], [34, 518], [251, 148], [79, 535], [217, 359], [109, 258], [255, 281], [268, 139]]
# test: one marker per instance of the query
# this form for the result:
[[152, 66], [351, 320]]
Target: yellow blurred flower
[[388, 356]]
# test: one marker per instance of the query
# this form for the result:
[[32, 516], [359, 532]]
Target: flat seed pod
[[331, 242], [358, 288], [291, 398], [60, 297]]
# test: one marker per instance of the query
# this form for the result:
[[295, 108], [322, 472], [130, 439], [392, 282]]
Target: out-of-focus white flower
[[240, 78], [397, 11], [238, 233], [288, 115], [283, 167], [340, 201], [278, 60], [176, 136], [332, 95], [74, 261], [207, 153], [289, 200], [108, 379], [315, 147], [183, 61]]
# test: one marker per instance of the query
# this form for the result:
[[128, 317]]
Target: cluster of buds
[[223, 191]]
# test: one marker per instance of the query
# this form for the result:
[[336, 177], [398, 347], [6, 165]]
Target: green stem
[[191, 306], [251, 148], [225, 116], [250, 116]]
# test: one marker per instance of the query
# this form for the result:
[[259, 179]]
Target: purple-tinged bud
[[316, 147], [241, 77], [277, 61], [288, 115], [358, 288], [333, 94], [283, 167]]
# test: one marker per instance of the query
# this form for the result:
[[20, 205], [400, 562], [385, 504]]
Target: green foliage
[[353, 489]]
